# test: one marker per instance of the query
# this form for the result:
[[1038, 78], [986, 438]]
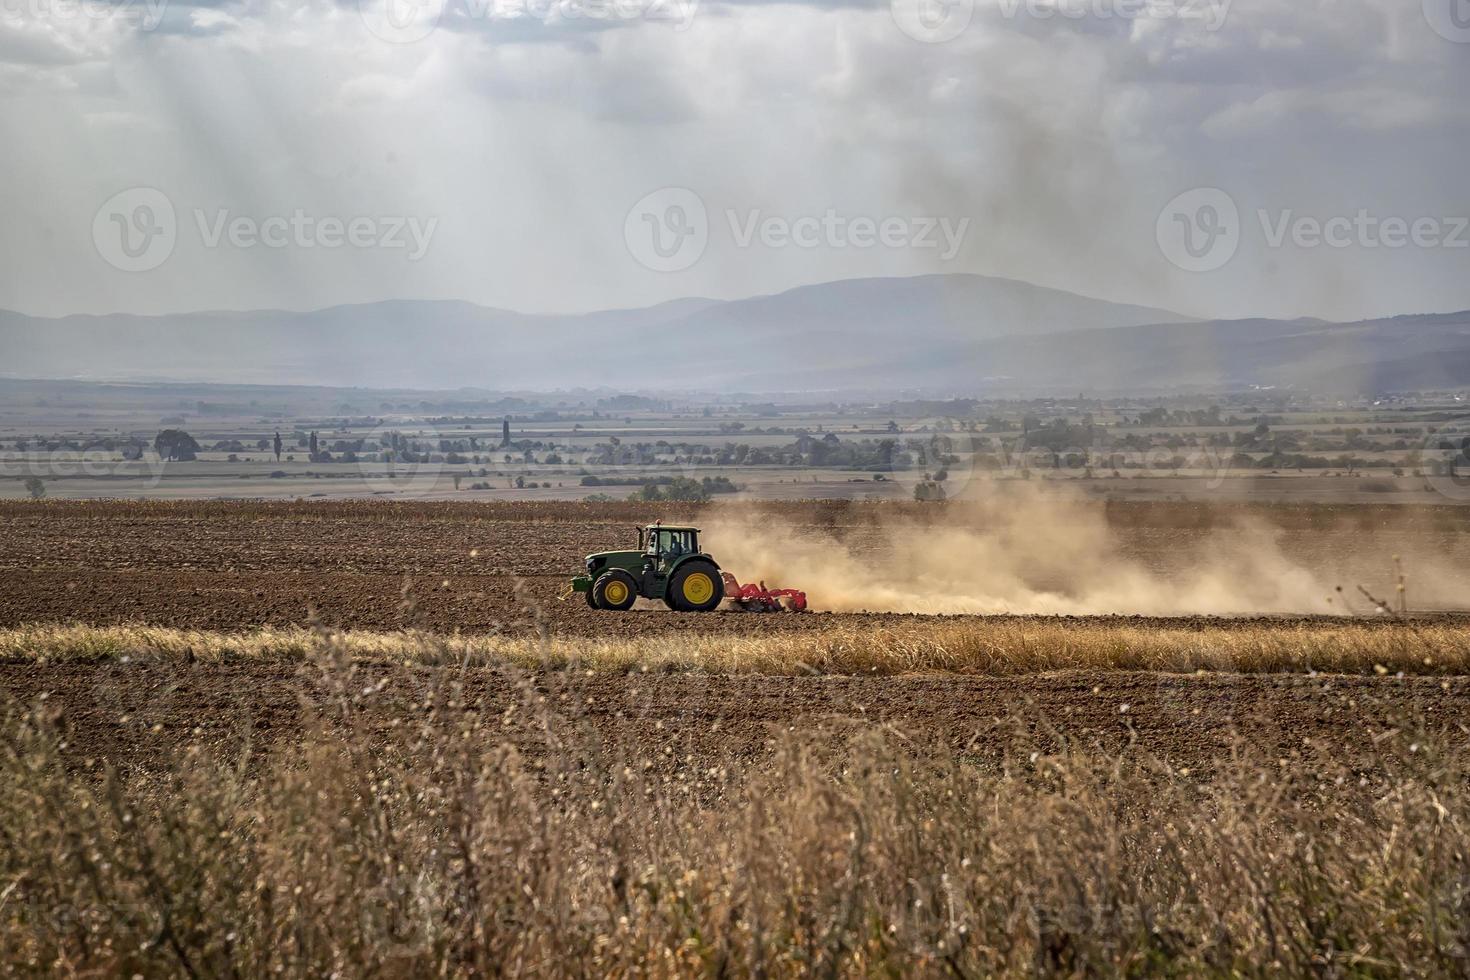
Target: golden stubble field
[[366, 739]]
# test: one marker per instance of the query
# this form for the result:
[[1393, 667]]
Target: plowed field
[[500, 567]]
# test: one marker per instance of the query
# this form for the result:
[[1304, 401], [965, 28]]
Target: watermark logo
[[668, 230], [305, 231], [1450, 19], [1199, 230], [403, 460], [932, 21], [135, 230], [401, 21]]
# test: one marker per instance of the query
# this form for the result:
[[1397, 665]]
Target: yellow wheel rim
[[616, 592], [698, 588]]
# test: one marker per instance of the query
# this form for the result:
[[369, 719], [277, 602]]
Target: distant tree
[[36, 487], [276, 445], [505, 432], [311, 444], [928, 491], [456, 478], [680, 488], [176, 444]]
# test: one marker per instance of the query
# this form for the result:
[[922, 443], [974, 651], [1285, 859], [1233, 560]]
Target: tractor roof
[[671, 527]]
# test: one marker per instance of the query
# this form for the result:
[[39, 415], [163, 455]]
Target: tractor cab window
[[670, 545]]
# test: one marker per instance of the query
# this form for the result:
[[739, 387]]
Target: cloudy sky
[[1275, 157]]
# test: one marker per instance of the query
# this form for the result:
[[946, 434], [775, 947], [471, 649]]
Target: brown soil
[[136, 714], [486, 567], [478, 568]]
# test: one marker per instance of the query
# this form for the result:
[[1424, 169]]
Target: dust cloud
[[1044, 552]]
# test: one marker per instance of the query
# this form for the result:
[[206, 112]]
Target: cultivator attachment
[[758, 598]]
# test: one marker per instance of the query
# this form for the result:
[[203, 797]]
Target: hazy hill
[[834, 334], [1397, 353], [960, 334]]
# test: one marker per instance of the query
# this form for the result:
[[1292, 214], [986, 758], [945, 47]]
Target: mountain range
[[962, 334]]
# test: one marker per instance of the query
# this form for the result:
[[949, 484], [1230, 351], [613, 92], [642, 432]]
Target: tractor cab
[[666, 544]]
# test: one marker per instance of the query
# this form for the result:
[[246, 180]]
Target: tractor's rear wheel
[[615, 590], [696, 587]]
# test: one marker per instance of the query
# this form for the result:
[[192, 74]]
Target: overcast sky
[[519, 153]]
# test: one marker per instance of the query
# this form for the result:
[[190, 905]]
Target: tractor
[[668, 565]]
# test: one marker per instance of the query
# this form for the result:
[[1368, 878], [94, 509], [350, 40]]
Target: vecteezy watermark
[[668, 230], [1201, 230], [834, 230], [1450, 19], [303, 230], [145, 15], [936, 21], [1210, 14], [1363, 230], [679, 13], [1208, 464], [407, 21], [137, 229], [146, 467]]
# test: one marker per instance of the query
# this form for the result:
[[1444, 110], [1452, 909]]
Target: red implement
[[758, 598]]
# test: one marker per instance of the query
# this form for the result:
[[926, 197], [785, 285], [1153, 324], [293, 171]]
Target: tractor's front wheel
[[615, 590], [696, 587], [591, 595]]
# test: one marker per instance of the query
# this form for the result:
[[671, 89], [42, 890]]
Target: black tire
[[591, 595], [624, 590], [696, 586]]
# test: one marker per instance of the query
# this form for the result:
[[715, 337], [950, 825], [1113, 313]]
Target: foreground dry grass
[[440, 850], [962, 645]]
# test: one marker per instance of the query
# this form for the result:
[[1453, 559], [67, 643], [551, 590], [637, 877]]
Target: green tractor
[[668, 565]]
